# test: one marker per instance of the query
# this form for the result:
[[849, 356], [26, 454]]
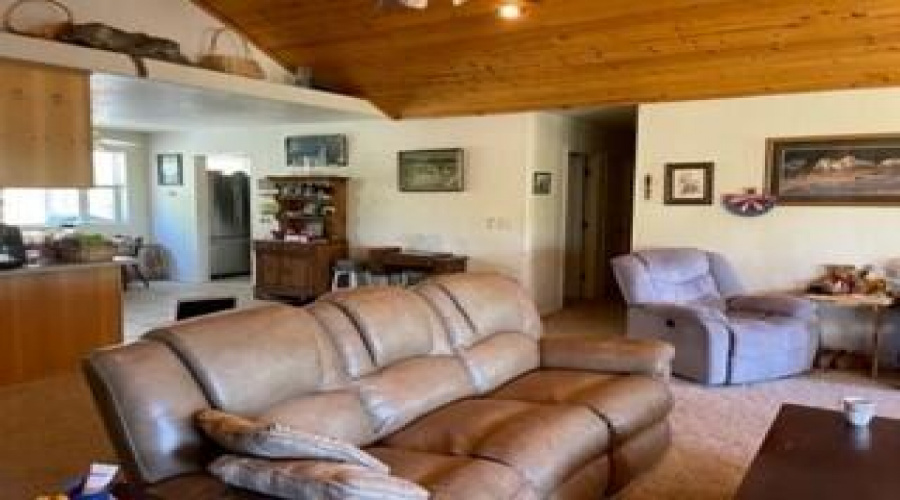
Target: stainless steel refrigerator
[[229, 224]]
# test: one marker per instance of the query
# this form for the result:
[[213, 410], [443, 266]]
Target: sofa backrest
[[373, 359], [491, 322], [412, 369], [679, 275]]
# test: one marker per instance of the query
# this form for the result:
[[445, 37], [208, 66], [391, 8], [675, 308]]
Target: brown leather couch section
[[450, 384]]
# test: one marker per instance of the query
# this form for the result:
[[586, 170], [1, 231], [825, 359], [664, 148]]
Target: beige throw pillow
[[240, 435], [310, 479]]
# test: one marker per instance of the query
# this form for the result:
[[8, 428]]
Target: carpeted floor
[[717, 431], [49, 430]]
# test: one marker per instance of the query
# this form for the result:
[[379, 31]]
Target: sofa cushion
[[395, 324], [628, 404], [354, 355], [545, 444], [348, 420], [247, 437], [456, 477], [405, 391], [313, 479], [250, 359], [491, 304], [499, 359]]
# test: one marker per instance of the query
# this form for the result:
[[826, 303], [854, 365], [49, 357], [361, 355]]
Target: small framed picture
[[689, 184], [169, 170], [542, 184]]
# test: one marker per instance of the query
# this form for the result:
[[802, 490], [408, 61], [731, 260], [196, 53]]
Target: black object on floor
[[191, 308]]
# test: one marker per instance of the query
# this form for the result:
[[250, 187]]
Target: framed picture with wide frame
[[431, 170], [689, 183], [834, 170]]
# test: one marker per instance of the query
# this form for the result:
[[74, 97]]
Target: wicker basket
[[243, 65], [51, 30]]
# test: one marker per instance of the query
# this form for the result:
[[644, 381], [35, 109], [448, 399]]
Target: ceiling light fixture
[[510, 11], [422, 4]]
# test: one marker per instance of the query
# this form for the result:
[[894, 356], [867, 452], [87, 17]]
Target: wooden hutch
[[311, 211]]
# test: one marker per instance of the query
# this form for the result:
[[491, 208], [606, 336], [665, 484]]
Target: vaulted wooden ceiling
[[568, 53]]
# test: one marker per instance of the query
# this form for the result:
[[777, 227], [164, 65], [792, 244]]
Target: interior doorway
[[599, 209], [581, 227]]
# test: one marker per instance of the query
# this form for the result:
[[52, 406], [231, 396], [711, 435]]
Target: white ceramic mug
[[859, 411]]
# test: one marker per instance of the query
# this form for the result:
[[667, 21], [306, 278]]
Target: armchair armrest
[[777, 304], [644, 357]]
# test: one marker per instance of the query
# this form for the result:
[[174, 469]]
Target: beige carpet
[[718, 430]]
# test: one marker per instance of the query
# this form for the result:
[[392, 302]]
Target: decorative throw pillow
[[310, 479], [240, 435]]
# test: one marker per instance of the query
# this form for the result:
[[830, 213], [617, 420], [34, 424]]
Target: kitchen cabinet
[[45, 127]]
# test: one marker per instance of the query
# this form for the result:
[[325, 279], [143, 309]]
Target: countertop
[[54, 268]]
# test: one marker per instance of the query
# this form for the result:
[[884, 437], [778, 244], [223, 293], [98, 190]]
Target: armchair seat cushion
[[455, 477], [545, 444], [765, 346], [629, 404]]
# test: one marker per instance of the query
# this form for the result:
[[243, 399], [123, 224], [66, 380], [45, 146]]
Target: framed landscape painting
[[835, 170], [432, 170]]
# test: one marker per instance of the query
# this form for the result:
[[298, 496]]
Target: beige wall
[[786, 248], [496, 221], [486, 222], [551, 138]]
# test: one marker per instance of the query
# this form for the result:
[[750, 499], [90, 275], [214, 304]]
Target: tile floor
[[148, 308]]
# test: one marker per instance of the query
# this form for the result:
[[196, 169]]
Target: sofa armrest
[[777, 304], [632, 356]]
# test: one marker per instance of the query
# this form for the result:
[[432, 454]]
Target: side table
[[877, 304]]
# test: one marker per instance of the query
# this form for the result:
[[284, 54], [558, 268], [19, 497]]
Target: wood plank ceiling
[[571, 53]]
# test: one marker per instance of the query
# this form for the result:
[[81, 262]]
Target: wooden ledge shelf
[[36, 50]]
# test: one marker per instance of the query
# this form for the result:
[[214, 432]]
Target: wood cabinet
[[51, 318], [295, 271], [312, 212], [45, 126]]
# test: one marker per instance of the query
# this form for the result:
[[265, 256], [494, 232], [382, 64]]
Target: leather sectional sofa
[[450, 383]]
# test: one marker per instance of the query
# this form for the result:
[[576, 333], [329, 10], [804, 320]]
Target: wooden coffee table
[[813, 453]]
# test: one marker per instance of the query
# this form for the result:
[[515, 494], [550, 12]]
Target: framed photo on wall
[[834, 170], [542, 184], [316, 151], [689, 183], [169, 170], [431, 170]]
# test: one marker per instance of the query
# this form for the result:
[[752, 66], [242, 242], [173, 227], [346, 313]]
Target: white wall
[[486, 222], [551, 138], [179, 20], [180, 221], [786, 248]]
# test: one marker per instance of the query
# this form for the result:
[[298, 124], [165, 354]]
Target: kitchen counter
[[55, 268], [52, 316]]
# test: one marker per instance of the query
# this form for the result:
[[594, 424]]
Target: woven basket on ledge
[[50, 30], [243, 65]]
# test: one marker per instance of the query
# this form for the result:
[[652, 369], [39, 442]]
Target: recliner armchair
[[694, 300]]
